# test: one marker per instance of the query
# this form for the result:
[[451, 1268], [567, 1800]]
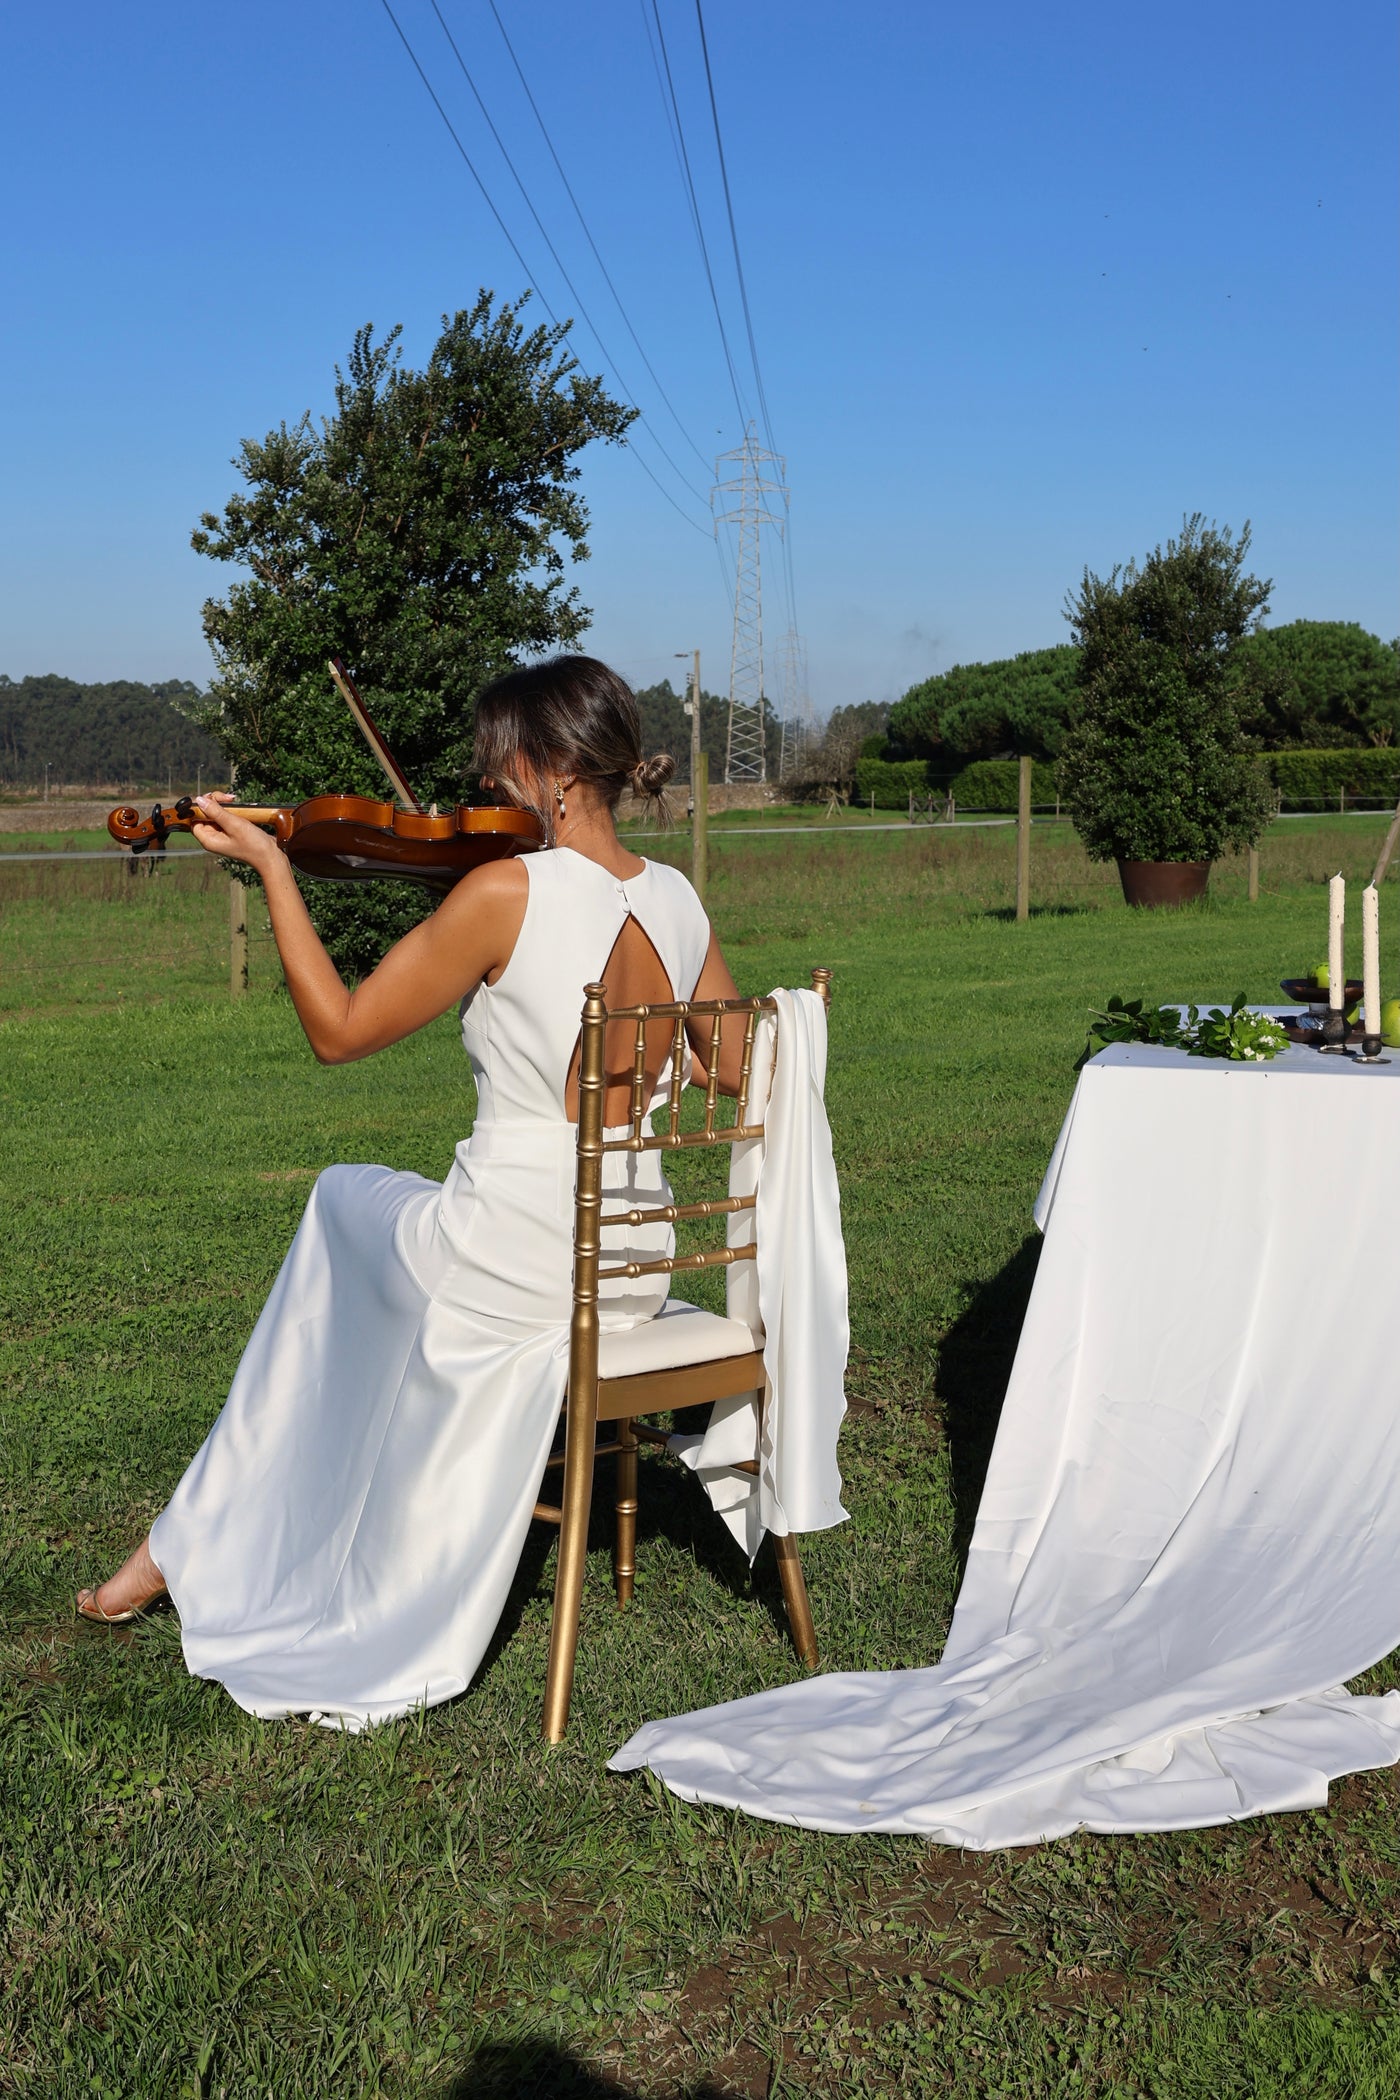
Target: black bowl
[[1309, 994]]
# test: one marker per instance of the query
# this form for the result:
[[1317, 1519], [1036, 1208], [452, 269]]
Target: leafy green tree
[[1319, 683], [421, 531], [1017, 707], [1155, 765]]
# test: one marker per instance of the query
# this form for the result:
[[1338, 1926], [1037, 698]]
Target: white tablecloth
[[1190, 1531]]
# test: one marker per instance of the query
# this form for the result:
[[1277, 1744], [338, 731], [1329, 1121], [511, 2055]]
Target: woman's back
[[645, 936]]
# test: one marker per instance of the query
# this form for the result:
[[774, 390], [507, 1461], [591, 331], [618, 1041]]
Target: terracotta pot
[[1163, 884]]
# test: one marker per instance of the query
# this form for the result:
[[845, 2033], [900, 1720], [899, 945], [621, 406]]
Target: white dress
[[343, 1542]]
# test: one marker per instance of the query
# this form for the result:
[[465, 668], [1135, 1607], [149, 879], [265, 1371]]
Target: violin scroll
[[129, 828]]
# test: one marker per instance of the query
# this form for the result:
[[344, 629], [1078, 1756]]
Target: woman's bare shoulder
[[486, 908], [498, 885]]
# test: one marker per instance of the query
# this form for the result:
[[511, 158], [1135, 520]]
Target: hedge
[[893, 781], [1304, 779], [988, 784], [994, 784], [1323, 779]]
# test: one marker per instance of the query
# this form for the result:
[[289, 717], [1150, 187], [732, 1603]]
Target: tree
[[829, 766], [1315, 683], [420, 531], [666, 727], [1017, 707], [119, 731], [1155, 766]]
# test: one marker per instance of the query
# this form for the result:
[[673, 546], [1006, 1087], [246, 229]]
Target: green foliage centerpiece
[[1238, 1032], [1155, 768], [420, 532]]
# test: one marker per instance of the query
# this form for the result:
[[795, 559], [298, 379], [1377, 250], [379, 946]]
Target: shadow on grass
[[672, 1506], [1007, 912], [537, 2070], [974, 1368]]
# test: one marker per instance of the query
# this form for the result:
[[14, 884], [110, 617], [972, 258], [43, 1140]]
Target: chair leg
[[580, 1436], [799, 1611], [625, 1550]]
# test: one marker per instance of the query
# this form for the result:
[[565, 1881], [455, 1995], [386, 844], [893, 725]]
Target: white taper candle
[[1371, 959], [1336, 954]]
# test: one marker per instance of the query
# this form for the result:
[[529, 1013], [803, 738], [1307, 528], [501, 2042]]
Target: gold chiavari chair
[[681, 1358]]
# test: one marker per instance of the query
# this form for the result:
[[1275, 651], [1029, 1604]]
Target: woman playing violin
[[343, 1542]]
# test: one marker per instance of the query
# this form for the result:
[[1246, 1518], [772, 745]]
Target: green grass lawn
[[194, 1903]]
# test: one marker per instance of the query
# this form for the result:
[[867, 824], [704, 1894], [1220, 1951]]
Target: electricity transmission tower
[[744, 495], [799, 722]]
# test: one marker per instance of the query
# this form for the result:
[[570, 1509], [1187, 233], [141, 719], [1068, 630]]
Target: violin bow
[[364, 722]]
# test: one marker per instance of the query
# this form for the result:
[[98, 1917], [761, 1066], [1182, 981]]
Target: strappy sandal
[[94, 1614]]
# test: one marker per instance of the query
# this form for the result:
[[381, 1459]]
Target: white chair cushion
[[680, 1334]]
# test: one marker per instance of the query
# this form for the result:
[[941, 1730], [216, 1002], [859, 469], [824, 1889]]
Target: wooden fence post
[[237, 938], [1254, 874], [1023, 842], [700, 825]]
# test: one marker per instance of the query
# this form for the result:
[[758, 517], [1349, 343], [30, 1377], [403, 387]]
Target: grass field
[[196, 1904]]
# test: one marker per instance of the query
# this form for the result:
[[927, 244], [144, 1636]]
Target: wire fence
[[84, 930], [80, 930]]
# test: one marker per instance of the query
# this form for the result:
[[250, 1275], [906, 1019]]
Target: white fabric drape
[[793, 1293], [1190, 1531]]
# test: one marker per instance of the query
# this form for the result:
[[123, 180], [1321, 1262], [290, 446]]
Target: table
[[1189, 1536]]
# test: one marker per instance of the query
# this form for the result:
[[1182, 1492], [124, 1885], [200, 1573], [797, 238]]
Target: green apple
[[1354, 1015], [1390, 1022], [1321, 976]]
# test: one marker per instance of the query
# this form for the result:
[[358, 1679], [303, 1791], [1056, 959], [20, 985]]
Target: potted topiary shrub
[[1155, 770]]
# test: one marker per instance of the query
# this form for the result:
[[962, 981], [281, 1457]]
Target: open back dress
[[343, 1542]]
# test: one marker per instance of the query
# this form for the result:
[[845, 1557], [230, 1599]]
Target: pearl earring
[[559, 798]]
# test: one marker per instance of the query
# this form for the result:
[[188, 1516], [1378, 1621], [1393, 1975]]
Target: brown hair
[[569, 715]]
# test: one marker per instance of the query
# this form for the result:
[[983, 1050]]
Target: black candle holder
[[1334, 1033], [1371, 1052]]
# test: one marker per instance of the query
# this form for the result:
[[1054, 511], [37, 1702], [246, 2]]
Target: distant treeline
[[1308, 685], [124, 731], [115, 733]]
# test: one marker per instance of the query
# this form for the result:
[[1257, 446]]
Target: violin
[[354, 838]]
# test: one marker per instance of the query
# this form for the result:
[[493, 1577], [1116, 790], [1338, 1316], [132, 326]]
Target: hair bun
[[651, 775]]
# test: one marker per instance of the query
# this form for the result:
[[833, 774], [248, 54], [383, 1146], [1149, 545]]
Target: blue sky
[[1027, 285]]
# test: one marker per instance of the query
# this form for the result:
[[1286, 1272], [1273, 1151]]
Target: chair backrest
[[592, 1144]]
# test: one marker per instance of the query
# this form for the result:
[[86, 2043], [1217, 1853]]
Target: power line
[[733, 229], [671, 111], [665, 105], [471, 165], [744, 292], [530, 277], [588, 320], [588, 236], [675, 110]]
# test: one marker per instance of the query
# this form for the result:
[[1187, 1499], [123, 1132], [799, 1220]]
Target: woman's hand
[[232, 837]]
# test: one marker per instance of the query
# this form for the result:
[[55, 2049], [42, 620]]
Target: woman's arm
[[469, 937], [715, 982]]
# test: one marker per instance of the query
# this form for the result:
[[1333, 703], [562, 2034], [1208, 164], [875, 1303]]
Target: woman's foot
[[124, 1596]]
